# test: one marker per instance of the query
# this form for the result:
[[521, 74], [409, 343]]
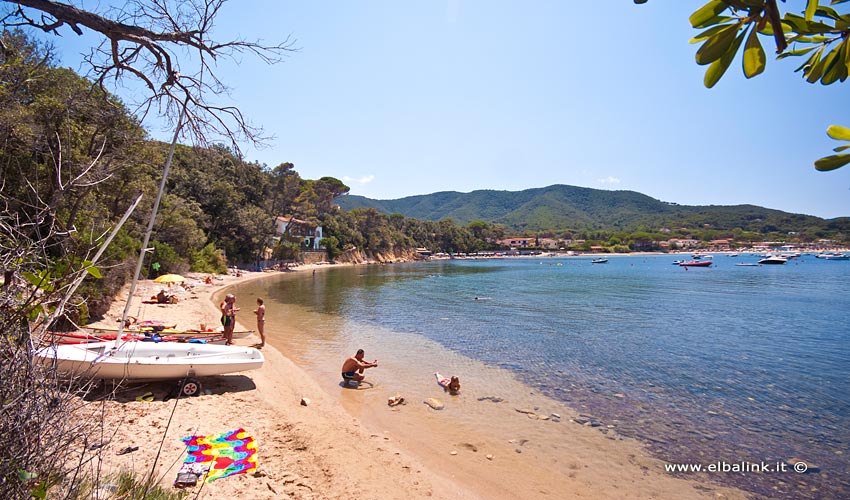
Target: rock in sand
[[434, 403]]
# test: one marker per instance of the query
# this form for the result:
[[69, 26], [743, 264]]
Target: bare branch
[[142, 41]]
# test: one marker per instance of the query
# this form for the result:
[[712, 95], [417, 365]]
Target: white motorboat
[[773, 259], [833, 256], [149, 360]]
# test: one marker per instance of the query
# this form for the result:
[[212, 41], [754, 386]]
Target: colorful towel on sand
[[233, 452]]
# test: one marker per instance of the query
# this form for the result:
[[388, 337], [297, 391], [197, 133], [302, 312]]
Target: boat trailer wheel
[[190, 387]]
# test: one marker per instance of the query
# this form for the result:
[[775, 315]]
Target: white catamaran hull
[[150, 361]]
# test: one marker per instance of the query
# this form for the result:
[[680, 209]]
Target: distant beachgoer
[[452, 385], [352, 368], [228, 317], [260, 311]]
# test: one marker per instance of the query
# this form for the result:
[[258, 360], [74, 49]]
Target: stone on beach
[[491, 398], [434, 403]]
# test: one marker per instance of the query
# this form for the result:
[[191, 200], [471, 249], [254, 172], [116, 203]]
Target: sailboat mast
[[147, 237]]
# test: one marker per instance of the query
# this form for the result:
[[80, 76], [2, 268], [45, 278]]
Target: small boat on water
[[745, 264], [599, 261], [773, 259], [697, 263], [833, 256], [149, 360]]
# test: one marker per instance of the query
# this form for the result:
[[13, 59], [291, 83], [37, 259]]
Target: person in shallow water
[[353, 367]]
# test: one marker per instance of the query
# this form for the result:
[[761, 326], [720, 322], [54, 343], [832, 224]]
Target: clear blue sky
[[413, 97]]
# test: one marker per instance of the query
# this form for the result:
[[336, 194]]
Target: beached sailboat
[[123, 360], [149, 360]]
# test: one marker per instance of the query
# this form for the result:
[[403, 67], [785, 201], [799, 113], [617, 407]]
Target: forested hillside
[[573, 209]]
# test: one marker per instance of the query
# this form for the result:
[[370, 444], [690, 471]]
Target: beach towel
[[230, 453]]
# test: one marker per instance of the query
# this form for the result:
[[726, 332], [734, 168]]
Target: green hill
[[560, 207]]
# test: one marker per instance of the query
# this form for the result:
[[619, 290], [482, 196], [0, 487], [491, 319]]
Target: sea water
[[724, 364]]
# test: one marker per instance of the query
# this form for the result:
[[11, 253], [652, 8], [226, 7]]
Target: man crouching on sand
[[352, 368]]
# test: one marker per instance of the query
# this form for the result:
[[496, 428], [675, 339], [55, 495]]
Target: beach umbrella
[[170, 278]]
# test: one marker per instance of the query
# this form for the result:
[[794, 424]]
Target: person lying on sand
[[352, 368], [452, 385]]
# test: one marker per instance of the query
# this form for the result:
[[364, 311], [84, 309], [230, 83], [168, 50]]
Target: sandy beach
[[353, 445]]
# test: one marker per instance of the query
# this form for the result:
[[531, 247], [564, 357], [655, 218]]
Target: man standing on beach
[[260, 311], [352, 368], [228, 317]]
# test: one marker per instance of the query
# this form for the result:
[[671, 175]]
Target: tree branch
[[772, 12], [141, 41]]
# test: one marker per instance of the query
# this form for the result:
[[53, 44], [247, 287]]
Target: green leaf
[[745, 4], [93, 271], [35, 312], [810, 61], [830, 71], [754, 57], [837, 69], [717, 45], [832, 162], [719, 67], [829, 12], [841, 148], [707, 34], [26, 475], [838, 133], [811, 7], [797, 23], [40, 491], [640, 1], [33, 279], [796, 52], [813, 70], [846, 54], [707, 12]]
